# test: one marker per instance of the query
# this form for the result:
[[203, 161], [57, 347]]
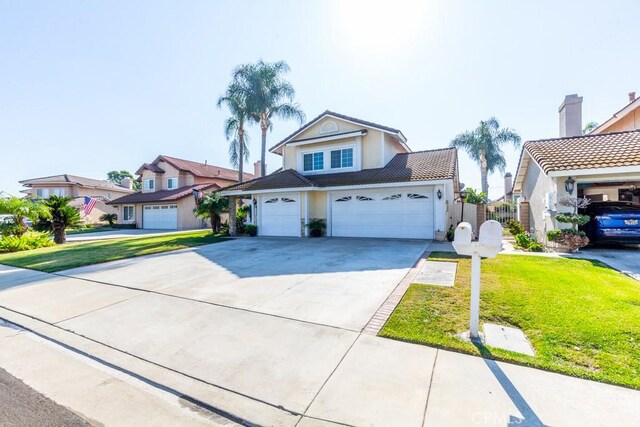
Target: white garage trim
[[279, 214], [401, 212], [160, 217]]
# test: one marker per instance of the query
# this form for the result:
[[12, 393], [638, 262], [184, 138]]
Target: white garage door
[[160, 217], [394, 213], [280, 215]]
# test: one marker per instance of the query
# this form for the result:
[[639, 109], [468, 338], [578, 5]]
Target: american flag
[[89, 203]]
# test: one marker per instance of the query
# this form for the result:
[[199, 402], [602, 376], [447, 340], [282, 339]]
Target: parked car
[[613, 222], [8, 219]]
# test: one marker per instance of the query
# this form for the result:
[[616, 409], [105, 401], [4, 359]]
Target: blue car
[[613, 222]]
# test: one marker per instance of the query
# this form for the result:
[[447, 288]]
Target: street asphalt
[[20, 405]]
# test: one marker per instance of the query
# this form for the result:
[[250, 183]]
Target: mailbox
[[462, 239], [490, 240]]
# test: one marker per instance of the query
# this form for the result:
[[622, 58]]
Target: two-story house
[[78, 187], [167, 200], [360, 177]]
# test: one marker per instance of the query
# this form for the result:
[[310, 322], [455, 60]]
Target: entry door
[[403, 212], [160, 217], [280, 215]]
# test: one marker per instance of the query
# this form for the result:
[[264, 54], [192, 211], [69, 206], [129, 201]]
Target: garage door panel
[[406, 213], [160, 217], [280, 215]]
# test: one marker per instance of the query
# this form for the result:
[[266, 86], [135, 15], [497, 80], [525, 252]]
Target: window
[[127, 213], [275, 200], [148, 184], [344, 199], [342, 158], [57, 192], [287, 200], [313, 161], [172, 183], [416, 196], [363, 198], [392, 197], [42, 192], [329, 127]]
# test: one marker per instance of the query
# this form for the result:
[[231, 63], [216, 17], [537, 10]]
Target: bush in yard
[[111, 218], [515, 227], [528, 243], [574, 219], [25, 242], [251, 230], [242, 213], [58, 217], [574, 239], [475, 197], [20, 210]]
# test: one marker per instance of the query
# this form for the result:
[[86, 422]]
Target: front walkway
[[236, 326]]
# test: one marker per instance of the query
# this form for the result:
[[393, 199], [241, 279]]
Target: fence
[[466, 212], [502, 212]]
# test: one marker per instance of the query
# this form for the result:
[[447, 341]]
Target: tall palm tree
[[270, 96], [484, 146], [235, 98]]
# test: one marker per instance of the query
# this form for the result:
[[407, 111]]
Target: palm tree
[[589, 127], [484, 146], [235, 98], [269, 96], [210, 207], [111, 218], [58, 217]]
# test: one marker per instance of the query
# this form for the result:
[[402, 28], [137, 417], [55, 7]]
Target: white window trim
[[133, 213], [146, 181], [343, 168], [357, 156], [169, 180]]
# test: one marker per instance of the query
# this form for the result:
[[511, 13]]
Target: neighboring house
[[167, 200], [603, 166], [628, 118], [77, 187], [360, 177]]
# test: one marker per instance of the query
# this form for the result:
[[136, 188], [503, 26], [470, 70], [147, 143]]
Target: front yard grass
[[582, 317], [71, 255]]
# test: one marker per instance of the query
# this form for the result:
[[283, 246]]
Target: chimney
[[127, 183], [571, 116], [508, 184], [205, 162], [632, 96], [257, 168]]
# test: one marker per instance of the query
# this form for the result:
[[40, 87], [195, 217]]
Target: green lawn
[[72, 255], [90, 230], [582, 318]]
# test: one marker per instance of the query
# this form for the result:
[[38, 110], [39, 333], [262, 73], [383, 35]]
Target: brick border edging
[[383, 313]]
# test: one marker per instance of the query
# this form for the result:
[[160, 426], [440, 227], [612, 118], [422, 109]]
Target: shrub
[[27, 241], [316, 227], [450, 233], [576, 219], [574, 239], [475, 197], [251, 230], [111, 218], [242, 213], [515, 227], [528, 243], [224, 228]]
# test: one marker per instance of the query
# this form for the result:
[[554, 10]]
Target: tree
[[111, 218], [58, 217], [20, 210], [235, 98], [484, 146], [210, 207], [269, 96], [474, 197], [589, 127], [117, 176]]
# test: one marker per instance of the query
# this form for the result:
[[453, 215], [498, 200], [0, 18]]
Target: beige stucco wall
[[391, 148], [318, 204], [535, 186], [79, 191], [186, 218], [630, 122]]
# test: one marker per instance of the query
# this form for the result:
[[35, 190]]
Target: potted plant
[[441, 236], [251, 230], [571, 238], [317, 227]]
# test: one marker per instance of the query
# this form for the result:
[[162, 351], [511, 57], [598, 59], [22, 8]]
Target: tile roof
[[200, 169], [339, 116], [586, 152], [428, 165], [162, 195], [74, 179], [151, 167]]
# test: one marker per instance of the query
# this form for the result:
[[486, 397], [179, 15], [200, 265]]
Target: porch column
[[523, 216], [232, 215]]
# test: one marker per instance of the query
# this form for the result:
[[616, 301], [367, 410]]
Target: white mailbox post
[[488, 245]]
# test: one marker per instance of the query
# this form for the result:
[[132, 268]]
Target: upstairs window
[[148, 184], [42, 192], [313, 161], [172, 183], [342, 158]]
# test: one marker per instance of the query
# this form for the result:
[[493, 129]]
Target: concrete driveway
[[624, 259], [270, 330]]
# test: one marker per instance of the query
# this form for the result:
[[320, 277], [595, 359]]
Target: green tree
[[484, 146], [269, 96], [474, 197], [58, 217], [20, 209], [117, 176], [211, 206], [589, 127], [111, 218], [235, 98]]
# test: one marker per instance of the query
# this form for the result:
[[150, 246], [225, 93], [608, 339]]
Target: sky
[[91, 86]]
